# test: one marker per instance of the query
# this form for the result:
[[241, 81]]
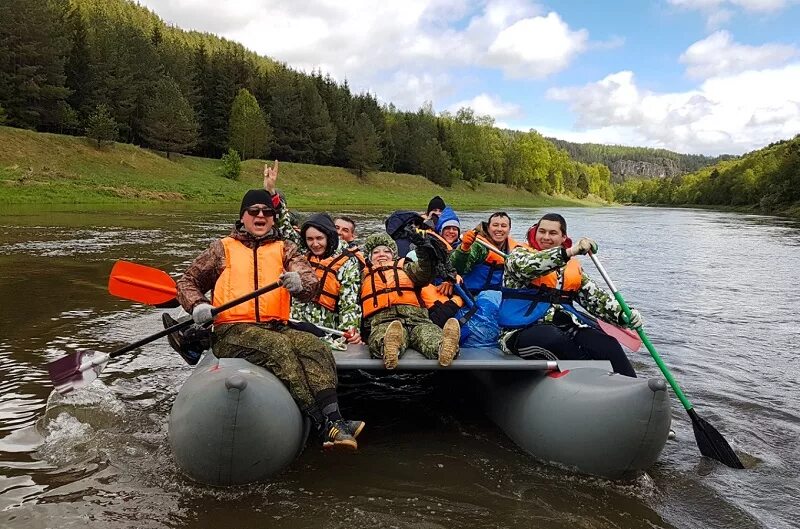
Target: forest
[[114, 71]]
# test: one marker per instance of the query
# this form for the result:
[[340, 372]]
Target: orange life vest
[[430, 295], [571, 278], [488, 275], [386, 286], [327, 271], [246, 270]]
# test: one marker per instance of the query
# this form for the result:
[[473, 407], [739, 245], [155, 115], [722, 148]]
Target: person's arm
[[349, 308], [294, 261], [524, 264], [201, 276], [465, 261], [601, 304]]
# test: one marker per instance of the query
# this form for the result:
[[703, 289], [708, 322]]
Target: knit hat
[[253, 197], [379, 239], [324, 223], [436, 203]]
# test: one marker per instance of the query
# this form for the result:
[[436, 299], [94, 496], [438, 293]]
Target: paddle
[[80, 369], [152, 286], [626, 337], [709, 440]]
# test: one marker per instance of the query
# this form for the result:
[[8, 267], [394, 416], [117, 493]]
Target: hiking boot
[[392, 343], [188, 350], [451, 333], [338, 434]]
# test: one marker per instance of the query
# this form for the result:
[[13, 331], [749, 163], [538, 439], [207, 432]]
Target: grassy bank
[[39, 168]]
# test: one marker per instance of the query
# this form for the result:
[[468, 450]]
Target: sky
[[693, 76]]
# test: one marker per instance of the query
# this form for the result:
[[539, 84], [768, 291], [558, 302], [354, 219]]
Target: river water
[[717, 290]]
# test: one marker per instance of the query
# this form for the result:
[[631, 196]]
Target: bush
[[231, 164]]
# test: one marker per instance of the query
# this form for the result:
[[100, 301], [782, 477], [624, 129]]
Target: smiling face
[[345, 230], [499, 228], [381, 255], [259, 224], [450, 234], [316, 241], [549, 234]]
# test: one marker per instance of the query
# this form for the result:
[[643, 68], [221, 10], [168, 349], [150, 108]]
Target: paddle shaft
[[183, 325], [645, 340]]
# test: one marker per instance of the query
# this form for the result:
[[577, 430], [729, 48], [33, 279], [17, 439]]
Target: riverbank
[[71, 172]]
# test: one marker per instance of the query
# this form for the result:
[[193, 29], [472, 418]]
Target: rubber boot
[[451, 333]]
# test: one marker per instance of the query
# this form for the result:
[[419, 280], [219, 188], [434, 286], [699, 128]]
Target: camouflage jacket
[[525, 264], [348, 309], [202, 274]]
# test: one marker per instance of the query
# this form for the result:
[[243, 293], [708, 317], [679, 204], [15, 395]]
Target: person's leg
[[441, 312], [600, 346], [544, 339], [424, 336]]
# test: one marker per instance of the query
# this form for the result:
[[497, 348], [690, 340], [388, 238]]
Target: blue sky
[[698, 76]]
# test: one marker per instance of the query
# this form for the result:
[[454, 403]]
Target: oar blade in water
[[711, 443], [75, 371], [141, 283]]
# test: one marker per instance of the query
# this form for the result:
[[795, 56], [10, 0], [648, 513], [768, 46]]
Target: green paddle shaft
[[645, 340]]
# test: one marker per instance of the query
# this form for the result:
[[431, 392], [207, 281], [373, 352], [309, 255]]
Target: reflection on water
[[715, 289]]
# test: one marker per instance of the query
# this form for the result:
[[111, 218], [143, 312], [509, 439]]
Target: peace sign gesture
[[270, 177]]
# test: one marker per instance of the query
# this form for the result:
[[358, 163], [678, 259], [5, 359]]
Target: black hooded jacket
[[324, 223]]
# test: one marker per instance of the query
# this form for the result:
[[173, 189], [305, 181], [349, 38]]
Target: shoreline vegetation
[[71, 172]]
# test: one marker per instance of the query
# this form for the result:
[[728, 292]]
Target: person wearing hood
[[482, 268], [335, 304], [449, 227], [435, 207], [540, 285], [252, 256], [392, 307]]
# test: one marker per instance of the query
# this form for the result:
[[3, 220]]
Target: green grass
[[40, 168]]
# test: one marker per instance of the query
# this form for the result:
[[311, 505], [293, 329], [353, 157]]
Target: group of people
[[403, 288]]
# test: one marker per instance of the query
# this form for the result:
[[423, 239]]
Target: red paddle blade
[[141, 283], [630, 339]]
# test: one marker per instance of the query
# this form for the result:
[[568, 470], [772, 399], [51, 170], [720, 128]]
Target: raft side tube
[[234, 423]]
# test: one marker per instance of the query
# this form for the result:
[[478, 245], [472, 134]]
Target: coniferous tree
[[318, 132], [78, 65], [169, 123], [249, 132], [3, 116], [284, 118], [33, 41], [102, 127], [364, 152]]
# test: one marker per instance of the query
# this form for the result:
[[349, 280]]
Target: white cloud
[[717, 55], [368, 42], [488, 105], [727, 114]]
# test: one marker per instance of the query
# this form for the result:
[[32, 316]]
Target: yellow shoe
[[451, 333], [392, 343]]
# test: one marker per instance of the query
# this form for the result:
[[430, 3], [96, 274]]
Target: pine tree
[[284, 118], [78, 66], [249, 132], [363, 151], [318, 132], [169, 123], [102, 127]]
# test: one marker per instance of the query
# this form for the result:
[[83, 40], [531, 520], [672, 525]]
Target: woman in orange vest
[[253, 256], [335, 304], [481, 268], [541, 284], [392, 307]]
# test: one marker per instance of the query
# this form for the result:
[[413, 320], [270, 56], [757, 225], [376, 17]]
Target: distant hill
[[766, 180], [637, 162]]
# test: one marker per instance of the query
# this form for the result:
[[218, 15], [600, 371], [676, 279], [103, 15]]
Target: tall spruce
[[169, 123], [249, 132], [79, 65], [364, 151], [284, 117], [33, 42], [318, 131]]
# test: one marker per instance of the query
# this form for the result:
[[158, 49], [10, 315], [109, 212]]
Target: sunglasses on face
[[255, 210]]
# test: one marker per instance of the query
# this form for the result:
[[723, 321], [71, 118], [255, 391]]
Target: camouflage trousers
[[421, 333], [300, 360]]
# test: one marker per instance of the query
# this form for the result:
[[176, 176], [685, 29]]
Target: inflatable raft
[[577, 414]]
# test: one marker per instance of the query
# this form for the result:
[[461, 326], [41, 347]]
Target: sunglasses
[[255, 210]]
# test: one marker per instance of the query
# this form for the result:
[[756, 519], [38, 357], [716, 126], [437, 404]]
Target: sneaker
[[354, 428], [178, 341], [451, 333], [392, 343], [338, 435]]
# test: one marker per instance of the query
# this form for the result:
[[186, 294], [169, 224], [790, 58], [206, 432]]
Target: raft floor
[[484, 359]]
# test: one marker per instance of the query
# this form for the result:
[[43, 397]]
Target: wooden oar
[[626, 337], [709, 440], [152, 286], [80, 369]]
